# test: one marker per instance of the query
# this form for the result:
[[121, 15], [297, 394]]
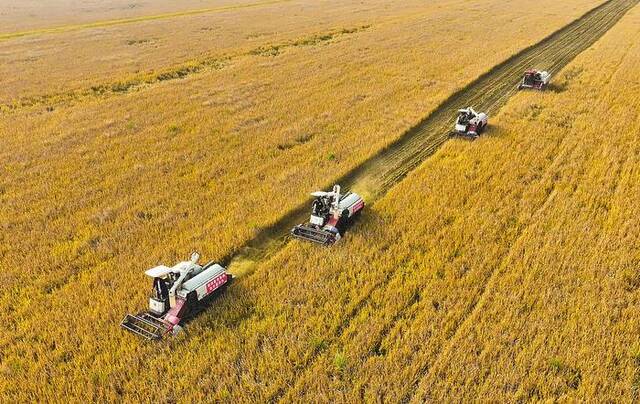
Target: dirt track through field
[[487, 93]]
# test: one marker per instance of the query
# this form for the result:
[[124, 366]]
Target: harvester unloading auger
[[176, 291], [331, 213]]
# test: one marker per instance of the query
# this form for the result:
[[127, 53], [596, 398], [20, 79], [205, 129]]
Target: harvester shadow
[[467, 138], [229, 306], [353, 223], [494, 131], [205, 304], [269, 238], [491, 131], [557, 88]]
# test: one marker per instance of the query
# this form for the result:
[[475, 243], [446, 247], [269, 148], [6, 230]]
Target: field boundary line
[[133, 20], [183, 70]]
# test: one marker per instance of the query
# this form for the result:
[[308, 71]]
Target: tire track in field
[[488, 93], [122, 21], [491, 91], [318, 351], [391, 325], [478, 301]]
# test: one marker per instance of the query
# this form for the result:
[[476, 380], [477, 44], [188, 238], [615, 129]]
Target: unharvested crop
[[494, 271], [507, 272]]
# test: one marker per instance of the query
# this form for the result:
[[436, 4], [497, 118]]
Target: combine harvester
[[331, 213], [535, 79], [470, 123], [176, 291]]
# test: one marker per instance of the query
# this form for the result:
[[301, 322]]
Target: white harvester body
[[176, 290], [470, 123], [535, 79], [331, 213]]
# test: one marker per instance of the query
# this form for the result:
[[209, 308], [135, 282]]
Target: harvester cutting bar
[[312, 234], [145, 325]]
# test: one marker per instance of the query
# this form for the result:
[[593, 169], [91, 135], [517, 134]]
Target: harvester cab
[[331, 213], [176, 290], [535, 79], [470, 123]]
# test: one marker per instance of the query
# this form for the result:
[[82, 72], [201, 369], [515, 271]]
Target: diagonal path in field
[[488, 93], [133, 20], [483, 286]]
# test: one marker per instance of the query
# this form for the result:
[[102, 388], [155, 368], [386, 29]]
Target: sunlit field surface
[[501, 269]]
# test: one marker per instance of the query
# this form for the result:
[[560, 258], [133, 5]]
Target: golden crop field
[[79, 59], [503, 269]]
